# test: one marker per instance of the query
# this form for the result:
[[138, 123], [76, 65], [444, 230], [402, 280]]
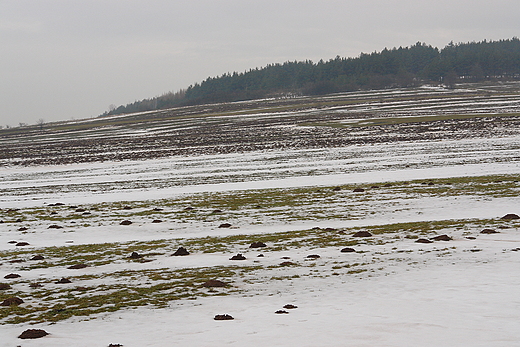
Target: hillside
[[342, 119], [375, 218], [390, 68]]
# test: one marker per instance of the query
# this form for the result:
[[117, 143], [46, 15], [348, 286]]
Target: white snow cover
[[441, 301]]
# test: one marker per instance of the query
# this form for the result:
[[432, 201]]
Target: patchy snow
[[160, 178], [426, 298], [459, 293]]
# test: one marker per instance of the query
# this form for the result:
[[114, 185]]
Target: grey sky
[[73, 58]]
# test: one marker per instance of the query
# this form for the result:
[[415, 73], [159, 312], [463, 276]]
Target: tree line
[[389, 68]]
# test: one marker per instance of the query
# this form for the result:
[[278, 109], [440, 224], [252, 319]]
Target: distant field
[[389, 116]]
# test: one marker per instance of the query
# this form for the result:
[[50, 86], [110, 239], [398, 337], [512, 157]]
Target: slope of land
[[387, 218], [390, 116], [391, 68]]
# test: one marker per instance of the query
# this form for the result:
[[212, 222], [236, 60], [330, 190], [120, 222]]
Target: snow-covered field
[[389, 291], [458, 300]]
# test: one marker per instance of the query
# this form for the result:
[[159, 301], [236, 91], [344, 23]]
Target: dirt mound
[[12, 276], [64, 280], [281, 312], [223, 317], [442, 238], [33, 334], [214, 283], [424, 241], [489, 231], [135, 255], [12, 301], [313, 256], [287, 263], [54, 226], [181, 251], [290, 306], [125, 222], [225, 225], [37, 257], [348, 250], [510, 216], [257, 244], [238, 257]]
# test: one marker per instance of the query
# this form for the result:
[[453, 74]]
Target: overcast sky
[[68, 59]]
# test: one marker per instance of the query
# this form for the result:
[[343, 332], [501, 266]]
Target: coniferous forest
[[397, 67]]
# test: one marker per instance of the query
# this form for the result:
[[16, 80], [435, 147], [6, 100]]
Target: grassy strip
[[290, 204], [156, 287]]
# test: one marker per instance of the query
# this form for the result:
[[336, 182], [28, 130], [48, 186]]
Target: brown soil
[[442, 238], [223, 317], [33, 334], [214, 283], [181, 251]]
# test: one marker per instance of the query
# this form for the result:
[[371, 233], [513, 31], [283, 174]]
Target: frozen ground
[[161, 178], [469, 303], [390, 291], [459, 293]]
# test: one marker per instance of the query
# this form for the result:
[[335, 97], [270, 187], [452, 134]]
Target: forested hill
[[397, 67]]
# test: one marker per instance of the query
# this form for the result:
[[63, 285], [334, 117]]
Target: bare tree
[[40, 123], [450, 79]]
